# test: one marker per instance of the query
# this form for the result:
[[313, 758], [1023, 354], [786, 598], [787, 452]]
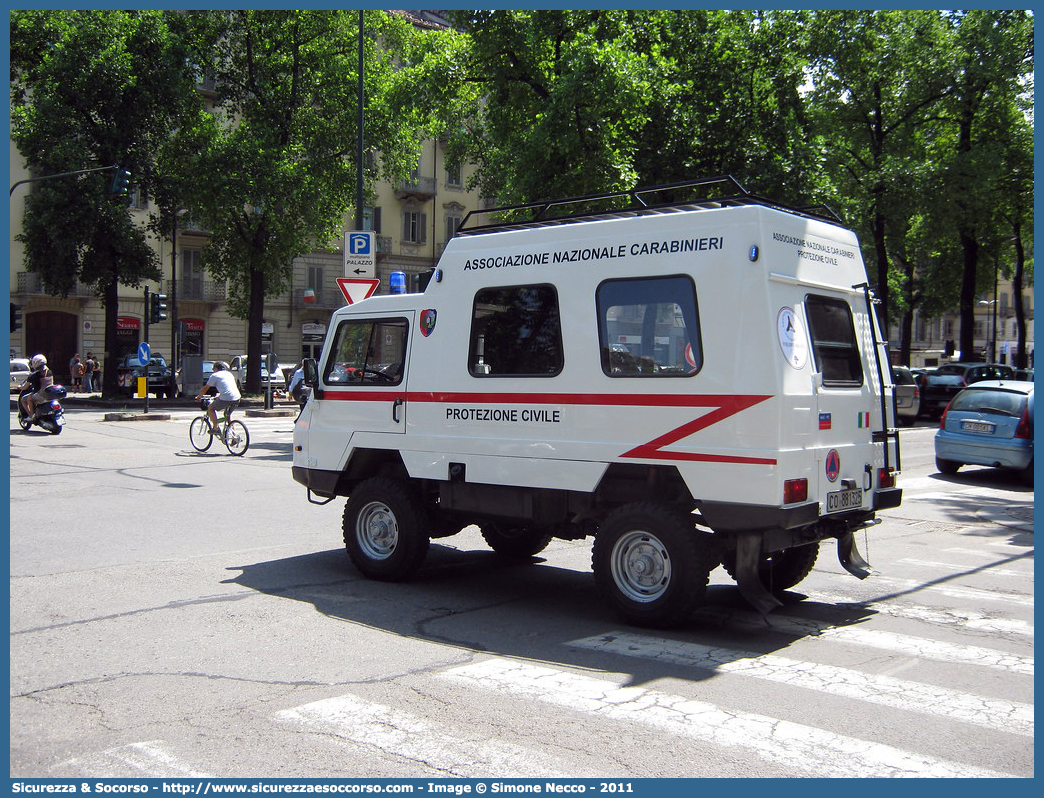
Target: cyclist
[[224, 382]]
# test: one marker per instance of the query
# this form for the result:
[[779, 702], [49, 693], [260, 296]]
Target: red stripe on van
[[723, 406]]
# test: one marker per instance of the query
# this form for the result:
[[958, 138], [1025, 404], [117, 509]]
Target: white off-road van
[[692, 382]]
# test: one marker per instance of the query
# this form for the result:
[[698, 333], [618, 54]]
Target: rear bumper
[[1012, 453]]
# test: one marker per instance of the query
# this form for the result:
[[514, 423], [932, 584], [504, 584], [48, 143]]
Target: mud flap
[[748, 558], [850, 558]]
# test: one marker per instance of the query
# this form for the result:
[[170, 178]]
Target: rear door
[[845, 402]]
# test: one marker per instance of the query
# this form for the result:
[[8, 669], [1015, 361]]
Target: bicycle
[[234, 434]]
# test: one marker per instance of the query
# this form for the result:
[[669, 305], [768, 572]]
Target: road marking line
[[816, 752], [973, 593], [920, 647], [1010, 716], [147, 759], [411, 737], [966, 570], [970, 619]]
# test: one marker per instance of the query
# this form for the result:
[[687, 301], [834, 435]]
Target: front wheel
[[200, 435], [237, 439], [385, 529], [651, 564]]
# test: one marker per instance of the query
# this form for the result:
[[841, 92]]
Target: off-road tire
[[517, 541], [780, 570], [651, 564], [385, 529]]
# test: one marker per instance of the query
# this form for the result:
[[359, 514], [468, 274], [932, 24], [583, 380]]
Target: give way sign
[[356, 290]]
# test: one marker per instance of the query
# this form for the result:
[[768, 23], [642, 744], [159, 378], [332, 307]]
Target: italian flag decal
[[864, 421]]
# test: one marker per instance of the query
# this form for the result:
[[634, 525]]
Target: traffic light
[[120, 183], [157, 307], [16, 318]]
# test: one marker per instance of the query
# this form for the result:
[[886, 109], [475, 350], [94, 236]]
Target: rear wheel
[[237, 439], [1027, 475], [651, 564], [515, 540], [781, 570], [200, 435], [385, 529], [948, 467]]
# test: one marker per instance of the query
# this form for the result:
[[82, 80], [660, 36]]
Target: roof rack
[[673, 197]]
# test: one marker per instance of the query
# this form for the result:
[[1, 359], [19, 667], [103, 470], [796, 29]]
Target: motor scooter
[[48, 414]]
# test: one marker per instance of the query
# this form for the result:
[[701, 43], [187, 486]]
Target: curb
[[136, 417]]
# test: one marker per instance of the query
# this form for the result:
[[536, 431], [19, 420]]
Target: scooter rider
[[40, 379]]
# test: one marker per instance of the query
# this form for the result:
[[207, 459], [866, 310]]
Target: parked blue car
[[989, 423]]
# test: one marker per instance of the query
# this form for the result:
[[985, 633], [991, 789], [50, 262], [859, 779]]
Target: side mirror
[[311, 376]]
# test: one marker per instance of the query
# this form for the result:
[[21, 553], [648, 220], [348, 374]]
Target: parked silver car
[[907, 396]]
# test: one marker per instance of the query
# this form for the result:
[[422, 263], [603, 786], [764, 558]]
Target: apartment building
[[412, 221], [995, 330]]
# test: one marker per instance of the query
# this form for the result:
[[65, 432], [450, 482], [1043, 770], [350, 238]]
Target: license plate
[[840, 500], [977, 426]]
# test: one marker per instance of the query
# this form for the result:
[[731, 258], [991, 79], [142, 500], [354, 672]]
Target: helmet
[[220, 365], [38, 362]]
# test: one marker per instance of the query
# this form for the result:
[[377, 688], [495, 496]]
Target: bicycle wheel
[[237, 439], [200, 435]]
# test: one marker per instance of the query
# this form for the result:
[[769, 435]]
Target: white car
[[20, 372]]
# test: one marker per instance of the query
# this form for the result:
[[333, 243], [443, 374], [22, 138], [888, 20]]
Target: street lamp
[[175, 339], [993, 335]]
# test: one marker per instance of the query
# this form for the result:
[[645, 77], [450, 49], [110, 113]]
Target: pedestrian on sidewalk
[[88, 373]]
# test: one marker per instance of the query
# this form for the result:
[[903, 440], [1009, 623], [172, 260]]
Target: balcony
[[417, 188], [325, 298], [194, 288], [33, 283]]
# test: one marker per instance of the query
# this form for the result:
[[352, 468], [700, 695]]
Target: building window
[[452, 223], [372, 219], [453, 177], [517, 332], [414, 227], [315, 278]]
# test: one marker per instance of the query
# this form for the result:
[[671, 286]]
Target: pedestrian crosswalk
[[945, 691]]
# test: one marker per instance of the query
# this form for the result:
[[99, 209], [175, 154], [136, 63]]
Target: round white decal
[[792, 338]]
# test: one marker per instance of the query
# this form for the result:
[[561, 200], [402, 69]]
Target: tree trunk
[[970, 248], [254, 319], [109, 356], [1020, 309]]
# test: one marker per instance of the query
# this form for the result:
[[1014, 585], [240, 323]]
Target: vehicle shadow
[[480, 602]]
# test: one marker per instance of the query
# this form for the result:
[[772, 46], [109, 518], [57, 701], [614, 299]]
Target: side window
[[367, 352], [834, 341], [516, 332], [649, 327]]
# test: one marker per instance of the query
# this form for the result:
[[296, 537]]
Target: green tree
[[580, 102], [878, 77], [94, 88], [275, 158], [992, 59]]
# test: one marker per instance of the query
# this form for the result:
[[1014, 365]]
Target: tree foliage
[[90, 89]]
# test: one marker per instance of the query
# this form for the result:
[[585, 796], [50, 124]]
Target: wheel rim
[[377, 531], [640, 566], [236, 438], [199, 435]]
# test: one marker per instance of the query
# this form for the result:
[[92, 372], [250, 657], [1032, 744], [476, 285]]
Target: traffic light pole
[[64, 174], [148, 317]]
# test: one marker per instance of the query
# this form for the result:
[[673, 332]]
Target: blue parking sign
[[359, 243]]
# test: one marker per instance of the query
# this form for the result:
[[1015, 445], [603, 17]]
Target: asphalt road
[[183, 615]]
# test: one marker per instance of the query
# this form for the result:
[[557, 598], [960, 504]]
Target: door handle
[[395, 408]]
